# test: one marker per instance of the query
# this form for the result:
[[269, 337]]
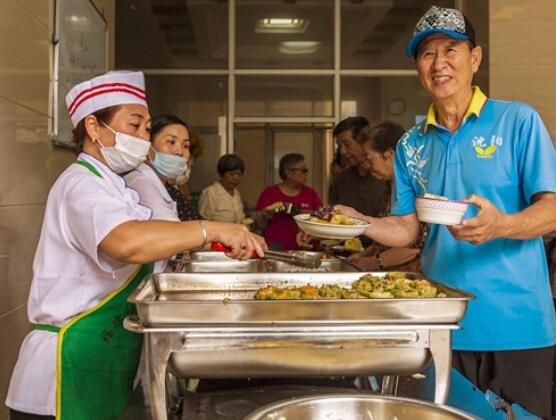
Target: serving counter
[[208, 325]]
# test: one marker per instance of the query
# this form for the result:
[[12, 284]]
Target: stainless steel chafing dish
[[205, 325], [211, 298], [218, 262]]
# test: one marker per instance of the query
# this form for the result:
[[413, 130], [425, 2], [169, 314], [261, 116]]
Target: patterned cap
[[110, 89], [440, 20]]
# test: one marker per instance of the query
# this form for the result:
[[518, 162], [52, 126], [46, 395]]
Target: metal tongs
[[299, 258]]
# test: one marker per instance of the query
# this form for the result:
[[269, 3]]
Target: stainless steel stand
[[292, 351]]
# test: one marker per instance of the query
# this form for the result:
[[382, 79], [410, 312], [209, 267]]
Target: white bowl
[[438, 211], [329, 231]]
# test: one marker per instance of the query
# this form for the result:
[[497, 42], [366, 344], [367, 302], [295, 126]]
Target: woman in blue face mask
[[167, 163]]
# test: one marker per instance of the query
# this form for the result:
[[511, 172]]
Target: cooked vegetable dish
[[392, 285]]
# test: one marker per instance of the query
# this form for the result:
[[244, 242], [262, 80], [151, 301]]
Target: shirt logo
[[485, 150], [415, 162]]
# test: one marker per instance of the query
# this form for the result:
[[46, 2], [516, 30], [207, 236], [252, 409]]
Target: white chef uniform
[[153, 194], [70, 274]]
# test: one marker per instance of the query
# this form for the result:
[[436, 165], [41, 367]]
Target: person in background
[[167, 160], [338, 164], [97, 244], [280, 229], [498, 156], [195, 151], [171, 162], [380, 150], [221, 201], [356, 187]]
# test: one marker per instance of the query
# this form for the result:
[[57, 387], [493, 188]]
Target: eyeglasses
[[302, 170]]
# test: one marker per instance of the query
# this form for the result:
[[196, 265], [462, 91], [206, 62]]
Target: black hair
[[160, 121], [228, 163], [79, 133], [385, 136], [287, 161], [359, 127]]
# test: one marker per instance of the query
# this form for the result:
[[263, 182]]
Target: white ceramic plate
[[323, 230]]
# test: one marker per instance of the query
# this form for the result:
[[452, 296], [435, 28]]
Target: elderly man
[[355, 186], [499, 156]]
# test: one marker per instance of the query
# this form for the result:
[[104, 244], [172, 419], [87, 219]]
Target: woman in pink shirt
[[280, 229]]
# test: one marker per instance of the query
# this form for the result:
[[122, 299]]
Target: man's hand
[[489, 224], [349, 211]]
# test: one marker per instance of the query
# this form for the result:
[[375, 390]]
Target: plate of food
[[335, 226]]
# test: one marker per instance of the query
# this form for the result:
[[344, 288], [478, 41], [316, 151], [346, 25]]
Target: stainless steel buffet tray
[[223, 298], [218, 262]]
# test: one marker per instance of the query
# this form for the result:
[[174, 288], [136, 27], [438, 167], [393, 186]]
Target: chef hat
[[110, 89]]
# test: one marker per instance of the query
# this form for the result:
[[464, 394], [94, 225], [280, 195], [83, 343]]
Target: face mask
[[168, 165], [127, 154], [183, 178]]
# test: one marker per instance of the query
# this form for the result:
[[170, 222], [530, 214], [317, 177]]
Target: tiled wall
[[28, 163], [523, 54]]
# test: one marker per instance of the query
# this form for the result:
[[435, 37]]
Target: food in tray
[[392, 285], [353, 244]]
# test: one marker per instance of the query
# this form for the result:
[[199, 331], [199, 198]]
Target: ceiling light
[[281, 25], [298, 47]]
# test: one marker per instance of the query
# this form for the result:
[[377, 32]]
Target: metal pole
[[231, 74]]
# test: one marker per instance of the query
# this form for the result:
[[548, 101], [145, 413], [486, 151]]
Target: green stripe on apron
[[47, 327], [97, 358]]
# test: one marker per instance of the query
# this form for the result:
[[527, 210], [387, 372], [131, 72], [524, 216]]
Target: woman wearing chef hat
[[97, 243]]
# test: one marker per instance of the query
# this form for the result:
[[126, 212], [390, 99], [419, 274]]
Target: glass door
[[262, 146]]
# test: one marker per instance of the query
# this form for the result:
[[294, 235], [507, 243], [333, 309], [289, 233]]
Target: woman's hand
[[304, 240], [243, 243]]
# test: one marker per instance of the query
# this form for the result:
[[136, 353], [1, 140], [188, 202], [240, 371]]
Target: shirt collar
[[478, 100]]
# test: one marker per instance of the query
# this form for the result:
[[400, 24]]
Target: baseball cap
[[440, 20]]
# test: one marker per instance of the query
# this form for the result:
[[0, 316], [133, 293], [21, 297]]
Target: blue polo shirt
[[503, 152]]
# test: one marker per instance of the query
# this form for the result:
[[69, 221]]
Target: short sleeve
[[316, 201], [537, 157], [403, 193], [241, 208], [207, 203], [151, 196], [91, 213], [265, 199]]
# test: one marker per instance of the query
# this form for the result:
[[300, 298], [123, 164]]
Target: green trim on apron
[[89, 167], [47, 327], [97, 358]]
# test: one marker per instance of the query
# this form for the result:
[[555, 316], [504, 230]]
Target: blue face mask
[[169, 166]]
